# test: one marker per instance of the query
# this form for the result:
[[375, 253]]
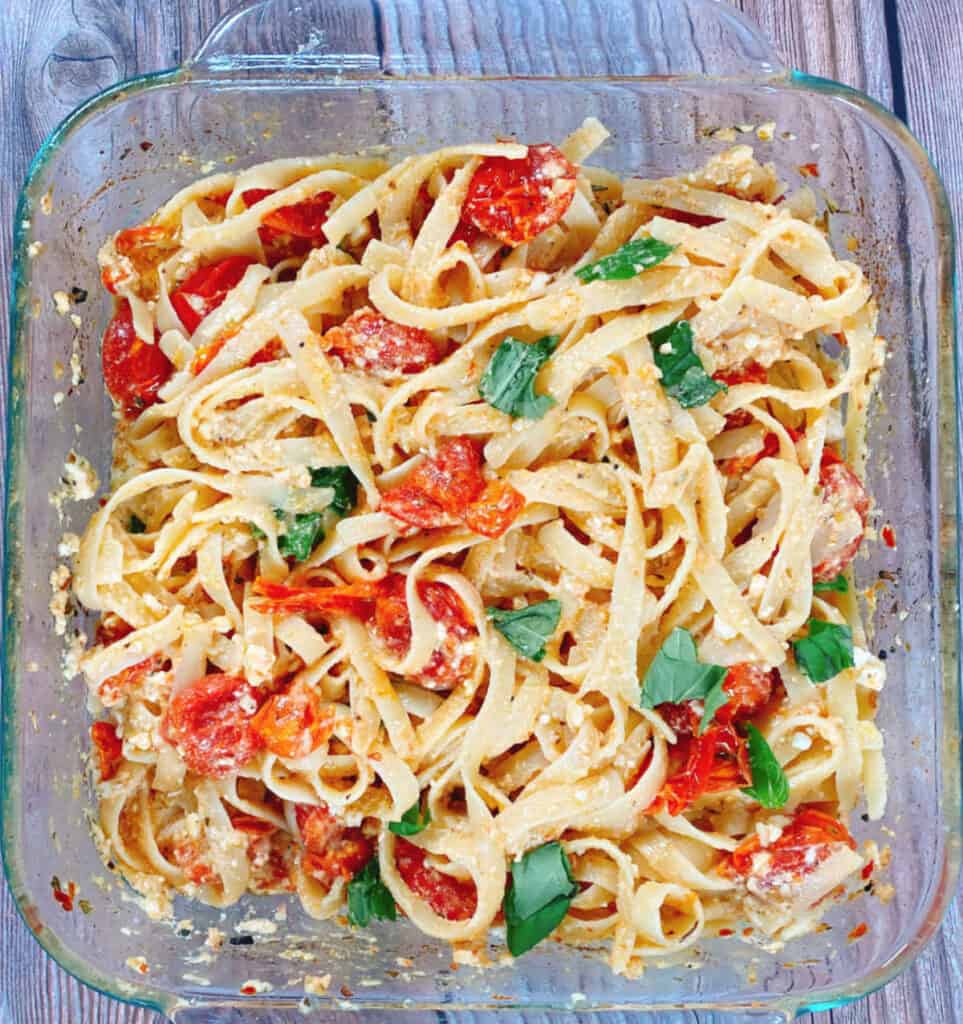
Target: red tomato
[[109, 628], [448, 664], [808, 840], [114, 688], [450, 898], [205, 290], [516, 200], [355, 599], [136, 241], [291, 230], [294, 723], [133, 370], [739, 465], [110, 749], [711, 763], [204, 356], [249, 824], [843, 518], [332, 850], [494, 510], [450, 487], [371, 342], [210, 726], [749, 688]]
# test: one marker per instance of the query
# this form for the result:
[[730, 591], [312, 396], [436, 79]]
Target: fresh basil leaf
[[302, 533], [825, 652], [413, 821], [676, 675], [840, 584], [508, 382], [628, 261], [539, 896], [683, 376], [368, 897], [716, 698], [770, 787], [256, 532], [136, 525], [528, 628], [344, 484]]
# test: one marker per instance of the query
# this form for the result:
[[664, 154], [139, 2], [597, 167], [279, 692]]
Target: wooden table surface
[[56, 53]]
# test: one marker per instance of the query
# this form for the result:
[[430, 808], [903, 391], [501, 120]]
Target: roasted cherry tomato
[[356, 599], [696, 220], [808, 840], [516, 200], [145, 247], [134, 371], [749, 688], [332, 850], [843, 517], [114, 688], [739, 465], [205, 290], [371, 342], [291, 230], [189, 857], [711, 763], [449, 662], [110, 749], [748, 373], [294, 723], [450, 488], [210, 722], [451, 898]]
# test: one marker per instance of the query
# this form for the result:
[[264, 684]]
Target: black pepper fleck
[[78, 295], [242, 940]]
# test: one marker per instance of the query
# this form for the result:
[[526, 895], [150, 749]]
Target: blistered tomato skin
[[206, 289], [449, 897], [843, 518], [331, 849], [711, 763], [516, 200], [294, 724], [371, 342], [134, 371], [210, 720]]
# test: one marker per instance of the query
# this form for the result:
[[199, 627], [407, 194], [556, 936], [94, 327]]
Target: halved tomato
[[206, 289], [114, 688], [134, 371], [294, 723], [371, 342], [516, 200], [332, 850], [451, 898], [842, 519], [711, 763], [210, 722]]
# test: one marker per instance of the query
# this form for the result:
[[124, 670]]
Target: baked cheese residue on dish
[[478, 549]]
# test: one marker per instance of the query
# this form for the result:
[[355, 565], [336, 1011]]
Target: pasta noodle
[[479, 518]]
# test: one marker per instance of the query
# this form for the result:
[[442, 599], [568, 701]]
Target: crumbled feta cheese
[[317, 984], [801, 741]]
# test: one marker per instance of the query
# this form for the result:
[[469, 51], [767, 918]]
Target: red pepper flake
[[889, 536], [858, 932], [809, 170], [747, 932], [867, 870], [248, 990], [65, 897], [723, 932]]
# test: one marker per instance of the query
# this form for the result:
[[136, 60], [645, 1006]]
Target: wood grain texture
[[56, 53]]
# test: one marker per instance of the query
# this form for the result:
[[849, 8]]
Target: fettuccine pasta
[[478, 544]]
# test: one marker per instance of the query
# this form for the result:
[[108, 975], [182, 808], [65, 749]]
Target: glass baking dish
[[286, 77]]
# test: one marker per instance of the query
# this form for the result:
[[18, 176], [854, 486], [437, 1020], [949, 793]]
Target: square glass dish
[[286, 77]]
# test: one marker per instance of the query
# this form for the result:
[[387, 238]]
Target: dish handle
[[521, 38]]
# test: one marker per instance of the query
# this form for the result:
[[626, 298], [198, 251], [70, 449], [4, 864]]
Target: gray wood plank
[[56, 53]]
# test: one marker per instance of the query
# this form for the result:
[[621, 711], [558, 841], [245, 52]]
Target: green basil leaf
[[528, 628], [508, 382], [676, 675], [413, 821], [840, 584], [683, 376], [770, 787], [302, 533], [368, 897], [716, 698], [628, 261], [539, 896], [825, 652], [342, 481], [256, 532], [136, 525]]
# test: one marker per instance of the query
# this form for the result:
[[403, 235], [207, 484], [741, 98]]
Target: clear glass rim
[[277, 74]]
